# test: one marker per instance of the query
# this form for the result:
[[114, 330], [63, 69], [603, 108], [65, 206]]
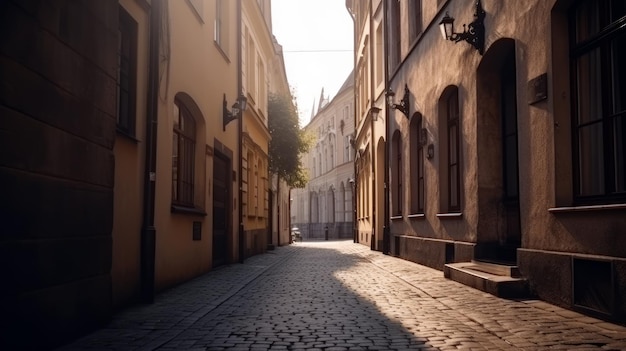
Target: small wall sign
[[538, 89]]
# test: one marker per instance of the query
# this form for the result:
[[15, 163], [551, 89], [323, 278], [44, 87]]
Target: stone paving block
[[341, 295]]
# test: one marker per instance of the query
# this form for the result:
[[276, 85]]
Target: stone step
[[502, 281], [508, 270]]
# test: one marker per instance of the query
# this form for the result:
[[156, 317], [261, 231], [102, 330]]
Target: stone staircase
[[499, 279]]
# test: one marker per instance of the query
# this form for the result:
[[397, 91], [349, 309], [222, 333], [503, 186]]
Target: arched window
[[450, 150], [416, 153], [183, 156], [396, 174], [342, 204]]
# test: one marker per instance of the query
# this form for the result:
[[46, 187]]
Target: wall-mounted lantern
[[374, 112], [474, 34], [238, 107], [403, 106]]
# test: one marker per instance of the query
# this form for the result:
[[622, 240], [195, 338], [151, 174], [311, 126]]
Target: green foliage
[[288, 141]]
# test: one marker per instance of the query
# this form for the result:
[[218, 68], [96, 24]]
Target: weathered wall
[[57, 101]]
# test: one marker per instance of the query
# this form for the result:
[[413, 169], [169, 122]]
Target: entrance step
[[496, 279]]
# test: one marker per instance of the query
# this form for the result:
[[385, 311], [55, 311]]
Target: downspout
[[355, 229], [148, 231], [278, 203], [240, 133], [386, 228], [373, 244]]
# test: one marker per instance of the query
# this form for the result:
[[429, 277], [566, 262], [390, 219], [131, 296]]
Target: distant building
[[324, 208]]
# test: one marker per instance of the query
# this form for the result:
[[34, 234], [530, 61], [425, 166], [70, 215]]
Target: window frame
[[183, 136], [453, 127], [599, 43], [128, 37]]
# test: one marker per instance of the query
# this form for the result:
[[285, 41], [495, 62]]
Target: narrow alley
[[339, 295]]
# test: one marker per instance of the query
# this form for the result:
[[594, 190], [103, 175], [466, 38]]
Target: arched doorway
[[499, 232]]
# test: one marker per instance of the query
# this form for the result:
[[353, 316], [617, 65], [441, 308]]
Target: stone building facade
[[508, 151], [323, 209]]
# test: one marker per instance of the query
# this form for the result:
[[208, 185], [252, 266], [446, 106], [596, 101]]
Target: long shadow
[[317, 299]]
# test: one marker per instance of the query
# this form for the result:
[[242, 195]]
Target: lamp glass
[[446, 26], [390, 96], [375, 111], [243, 103]]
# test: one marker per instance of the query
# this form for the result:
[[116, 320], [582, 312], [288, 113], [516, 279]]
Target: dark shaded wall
[[58, 69]]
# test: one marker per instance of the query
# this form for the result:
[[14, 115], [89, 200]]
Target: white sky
[[317, 40]]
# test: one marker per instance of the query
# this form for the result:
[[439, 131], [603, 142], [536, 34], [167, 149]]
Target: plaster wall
[[129, 173], [199, 72]]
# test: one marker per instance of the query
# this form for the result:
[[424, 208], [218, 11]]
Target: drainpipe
[[240, 134], [148, 231], [373, 149], [355, 229], [386, 228]]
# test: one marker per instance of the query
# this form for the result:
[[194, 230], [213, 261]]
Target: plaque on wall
[[538, 89]]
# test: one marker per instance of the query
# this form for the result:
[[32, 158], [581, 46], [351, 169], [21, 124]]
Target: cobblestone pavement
[[342, 296]]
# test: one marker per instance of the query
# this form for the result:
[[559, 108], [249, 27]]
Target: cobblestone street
[[342, 296]]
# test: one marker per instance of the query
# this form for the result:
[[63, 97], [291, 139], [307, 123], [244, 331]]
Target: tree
[[288, 141]]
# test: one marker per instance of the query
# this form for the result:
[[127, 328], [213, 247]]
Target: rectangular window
[[394, 38], [599, 119], [126, 73], [415, 18]]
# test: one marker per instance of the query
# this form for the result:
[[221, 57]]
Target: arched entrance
[[499, 233]]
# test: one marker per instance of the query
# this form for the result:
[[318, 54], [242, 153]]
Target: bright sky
[[317, 40]]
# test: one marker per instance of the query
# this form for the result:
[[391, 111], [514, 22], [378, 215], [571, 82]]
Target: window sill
[[127, 135], [570, 209], [194, 211], [417, 216], [221, 51], [450, 215], [395, 218]]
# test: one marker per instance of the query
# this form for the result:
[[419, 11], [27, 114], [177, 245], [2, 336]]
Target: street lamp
[[474, 34], [403, 106], [238, 107]]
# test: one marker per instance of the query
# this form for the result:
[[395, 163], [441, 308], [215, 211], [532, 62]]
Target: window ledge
[[127, 135], [417, 216], [188, 210], [221, 51], [395, 218], [450, 215], [587, 208]]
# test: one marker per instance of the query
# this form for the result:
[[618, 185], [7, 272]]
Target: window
[[394, 37], [598, 38], [347, 149], [183, 154], [126, 73], [396, 173], [454, 174], [417, 164], [220, 30], [415, 18], [378, 56]]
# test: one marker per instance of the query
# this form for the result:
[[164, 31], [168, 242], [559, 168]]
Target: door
[[510, 164], [221, 205]]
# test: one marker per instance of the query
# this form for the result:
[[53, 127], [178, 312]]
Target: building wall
[[258, 54], [129, 153], [370, 133], [567, 250], [324, 207], [57, 132], [197, 73]]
